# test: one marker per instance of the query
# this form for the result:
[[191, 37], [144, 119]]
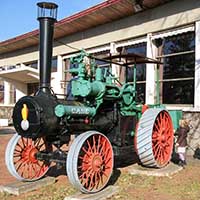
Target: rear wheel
[[154, 138], [21, 159], [90, 162]]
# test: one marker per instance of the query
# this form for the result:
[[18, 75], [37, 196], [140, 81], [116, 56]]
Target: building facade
[[165, 30]]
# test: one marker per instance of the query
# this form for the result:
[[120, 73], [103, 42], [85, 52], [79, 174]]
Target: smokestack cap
[[47, 10]]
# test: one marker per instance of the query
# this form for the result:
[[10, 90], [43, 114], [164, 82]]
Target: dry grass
[[185, 185]]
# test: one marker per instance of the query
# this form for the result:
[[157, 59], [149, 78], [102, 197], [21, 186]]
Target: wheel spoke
[[19, 146], [84, 149], [89, 146], [37, 142], [99, 144]]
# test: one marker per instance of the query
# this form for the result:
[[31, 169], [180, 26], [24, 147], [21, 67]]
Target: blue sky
[[19, 16]]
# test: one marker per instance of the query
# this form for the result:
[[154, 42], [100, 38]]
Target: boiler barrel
[[74, 111]]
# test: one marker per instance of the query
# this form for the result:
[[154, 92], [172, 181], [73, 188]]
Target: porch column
[[60, 71], [21, 90], [150, 73], [115, 68], [7, 89]]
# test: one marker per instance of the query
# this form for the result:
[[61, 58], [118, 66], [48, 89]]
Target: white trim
[[69, 56], [131, 42], [108, 47], [183, 107], [18, 69], [99, 49], [7, 105], [197, 66], [172, 32], [91, 50]]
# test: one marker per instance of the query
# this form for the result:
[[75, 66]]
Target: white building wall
[[176, 13], [197, 66], [21, 90], [57, 77]]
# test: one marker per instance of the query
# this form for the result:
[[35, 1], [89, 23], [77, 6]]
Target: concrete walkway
[[7, 130], [169, 170], [19, 187], [104, 194]]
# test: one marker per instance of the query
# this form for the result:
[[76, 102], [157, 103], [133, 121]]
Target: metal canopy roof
[[100, 14], [22, 74], [128, 59]]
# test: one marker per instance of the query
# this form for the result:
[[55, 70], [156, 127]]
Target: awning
[[20, 74], [176, 31]]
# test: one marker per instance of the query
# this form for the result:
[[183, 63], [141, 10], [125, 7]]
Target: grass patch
[[51, 192], [4, 195]]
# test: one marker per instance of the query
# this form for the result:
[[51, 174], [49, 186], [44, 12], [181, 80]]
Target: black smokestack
[[47, 17]]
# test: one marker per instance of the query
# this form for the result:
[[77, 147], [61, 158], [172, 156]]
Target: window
[[177, 72], [32, 88], [54, 64], [1, 92], [106, 67], [140, 71], [12, 94], [33, 64]]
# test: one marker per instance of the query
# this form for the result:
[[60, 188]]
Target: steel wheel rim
[[162, 138], [93, 162], [21, 161]]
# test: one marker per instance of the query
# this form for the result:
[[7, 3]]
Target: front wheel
[[90, 162], [20, 157]]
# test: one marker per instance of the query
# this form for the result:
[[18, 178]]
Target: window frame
[[161, 75]]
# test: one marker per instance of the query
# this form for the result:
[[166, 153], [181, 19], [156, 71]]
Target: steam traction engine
[[101, 112]]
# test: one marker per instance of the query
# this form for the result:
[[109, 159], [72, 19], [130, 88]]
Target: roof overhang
[[102, 13], [21, 74]]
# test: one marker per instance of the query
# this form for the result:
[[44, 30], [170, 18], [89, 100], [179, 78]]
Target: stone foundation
[[6, 113], [194, 134]]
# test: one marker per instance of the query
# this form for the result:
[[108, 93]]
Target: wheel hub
[[96, 163], [162, 138], [29, 153]]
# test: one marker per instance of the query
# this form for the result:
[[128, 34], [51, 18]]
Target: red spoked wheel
[[154, 139], [162, 138], [21, 158], [90, 162]]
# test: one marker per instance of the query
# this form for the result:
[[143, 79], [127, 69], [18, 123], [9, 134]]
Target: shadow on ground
[[7, 130]]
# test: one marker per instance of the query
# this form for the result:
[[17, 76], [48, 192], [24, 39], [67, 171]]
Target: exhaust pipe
[[47, 14]]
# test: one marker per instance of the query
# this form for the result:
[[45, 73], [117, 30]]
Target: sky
[[20, 16]]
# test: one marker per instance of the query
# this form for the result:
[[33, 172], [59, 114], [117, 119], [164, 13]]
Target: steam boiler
[[84, 133]]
